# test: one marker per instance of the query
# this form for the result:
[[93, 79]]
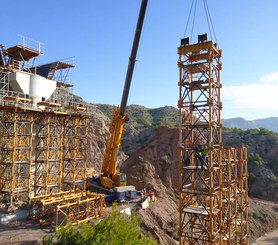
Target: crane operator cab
[[108, 182], [122, 180]]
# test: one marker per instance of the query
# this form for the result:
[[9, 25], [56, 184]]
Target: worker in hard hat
[[152, 197], [201, 156]]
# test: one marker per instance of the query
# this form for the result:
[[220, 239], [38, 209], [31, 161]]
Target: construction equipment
[[110, 177]]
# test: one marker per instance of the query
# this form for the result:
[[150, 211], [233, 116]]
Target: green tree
[[265, 131], [114, 230], [252, 131], [256, 160], [252, 178]]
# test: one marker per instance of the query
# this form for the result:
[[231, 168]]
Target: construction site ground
[[23, 232], [31, 233], [270, 238]]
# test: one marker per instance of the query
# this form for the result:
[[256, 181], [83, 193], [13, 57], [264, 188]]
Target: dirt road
[[22, 232], [270, 238]]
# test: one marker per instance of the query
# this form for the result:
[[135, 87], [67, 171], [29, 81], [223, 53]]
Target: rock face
[[99, 134], [262, 216], [155, 167], [156, 162]]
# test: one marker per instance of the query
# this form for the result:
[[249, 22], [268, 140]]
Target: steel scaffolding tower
[[235, 196], [16, 155], [207, 202], [42, 152], [48, 152], [242, 196], [75, 153]]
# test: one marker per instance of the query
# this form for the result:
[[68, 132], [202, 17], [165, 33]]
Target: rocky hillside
[[151, 162], [154, 166]]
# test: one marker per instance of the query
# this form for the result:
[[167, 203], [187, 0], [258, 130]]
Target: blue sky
[[99, 33]]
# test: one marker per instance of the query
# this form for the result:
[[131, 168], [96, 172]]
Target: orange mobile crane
[[110, 176]]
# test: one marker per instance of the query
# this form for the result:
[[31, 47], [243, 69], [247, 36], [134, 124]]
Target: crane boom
[[133, 54], [110, 176]]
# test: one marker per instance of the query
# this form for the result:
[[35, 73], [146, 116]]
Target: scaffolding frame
[[42, 151], [69, 206], [48, 152], [75, 153], [16, 156], [210, 200]]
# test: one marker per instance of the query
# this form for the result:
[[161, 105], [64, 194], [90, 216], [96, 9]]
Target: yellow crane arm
[[113, 143], [110, 176]]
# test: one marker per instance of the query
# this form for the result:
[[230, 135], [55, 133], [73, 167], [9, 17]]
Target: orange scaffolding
[[41, 152], [69, 206], [209, 192]]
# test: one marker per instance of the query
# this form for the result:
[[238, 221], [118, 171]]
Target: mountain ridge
[[169, 116], [270, 123]]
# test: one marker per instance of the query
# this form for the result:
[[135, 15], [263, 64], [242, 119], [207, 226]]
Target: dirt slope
[[154, 167]]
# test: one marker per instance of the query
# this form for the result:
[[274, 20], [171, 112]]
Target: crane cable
[[208, 18], [189, 16]]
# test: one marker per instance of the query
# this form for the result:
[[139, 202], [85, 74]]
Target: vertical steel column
[[30, 161], [85, 151], [53, 180], [68, 154], [61, 153], [75, 152], [22, 155], [8, 156], [229, 190], [40, 154], [242, 188], [81, 151]]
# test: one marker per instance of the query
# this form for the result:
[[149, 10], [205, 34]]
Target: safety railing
[[30, 43]]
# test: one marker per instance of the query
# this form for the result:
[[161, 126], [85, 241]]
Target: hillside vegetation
[[169, 116], [115, 230], [140, 115], [262, 159]]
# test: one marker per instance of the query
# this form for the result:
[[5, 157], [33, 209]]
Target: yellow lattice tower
[[48, 147], [200, 146], [75, 152], [213, 179], [16, 155]]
